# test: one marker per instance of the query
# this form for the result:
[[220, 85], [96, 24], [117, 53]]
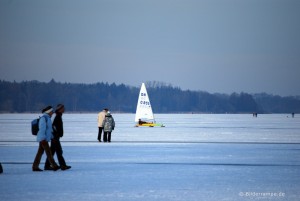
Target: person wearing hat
[[44, 135], [58, 132], [101, 117], [108, 126]]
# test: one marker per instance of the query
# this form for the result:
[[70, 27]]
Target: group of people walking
[[106, 123], [50, 132]]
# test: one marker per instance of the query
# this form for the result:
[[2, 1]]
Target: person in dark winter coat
[[58, 132], [108, 126], [1, 169], [43, 137]]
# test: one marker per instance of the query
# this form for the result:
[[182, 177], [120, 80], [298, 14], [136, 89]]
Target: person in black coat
[[58, 132], [1, 169]]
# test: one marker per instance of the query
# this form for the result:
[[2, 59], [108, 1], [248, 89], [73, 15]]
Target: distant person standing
[[108, 126], [58, 132], [101, 117], [44, 136]]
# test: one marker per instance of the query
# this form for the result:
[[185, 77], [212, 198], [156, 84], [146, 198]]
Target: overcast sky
[[220, 46]]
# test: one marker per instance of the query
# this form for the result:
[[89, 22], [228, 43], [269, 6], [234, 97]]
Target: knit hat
[[108, 114], [47, 109], [59, 106]]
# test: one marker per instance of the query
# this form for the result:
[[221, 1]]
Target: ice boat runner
[[144, 114]]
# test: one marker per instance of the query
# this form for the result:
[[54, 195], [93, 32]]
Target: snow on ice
[[195, 157]]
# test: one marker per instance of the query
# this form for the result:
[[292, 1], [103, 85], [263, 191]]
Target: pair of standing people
[[106, 124], [50, 132]]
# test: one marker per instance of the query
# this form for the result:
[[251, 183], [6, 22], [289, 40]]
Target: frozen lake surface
[[195, 157]]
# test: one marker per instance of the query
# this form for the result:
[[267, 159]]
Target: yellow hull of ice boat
[[149, 125]]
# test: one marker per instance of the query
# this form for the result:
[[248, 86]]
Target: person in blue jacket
[[43, 137]]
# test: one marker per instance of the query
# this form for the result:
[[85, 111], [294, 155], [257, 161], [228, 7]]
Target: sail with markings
[[144, 114], [143, 108]]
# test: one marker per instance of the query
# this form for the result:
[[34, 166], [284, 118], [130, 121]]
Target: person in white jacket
[[101, 117]]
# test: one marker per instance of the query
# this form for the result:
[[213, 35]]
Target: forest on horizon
[[32, 96]]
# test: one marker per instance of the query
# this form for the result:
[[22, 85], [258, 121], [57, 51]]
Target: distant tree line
[[32, 96]]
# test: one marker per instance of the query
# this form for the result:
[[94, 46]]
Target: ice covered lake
[[195, 157]]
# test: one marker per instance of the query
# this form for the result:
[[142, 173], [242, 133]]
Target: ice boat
[[144, 114]]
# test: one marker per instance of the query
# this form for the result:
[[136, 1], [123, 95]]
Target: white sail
[[143, 108]]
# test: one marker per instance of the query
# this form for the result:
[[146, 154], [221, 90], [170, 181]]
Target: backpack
[[35, 126]]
